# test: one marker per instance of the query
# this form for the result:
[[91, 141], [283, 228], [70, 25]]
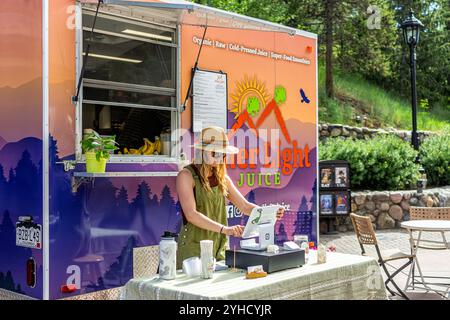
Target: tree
[[7, 228], [3, 188], [123, 207], [9, 282], [167, 210], [122, 268], [26, 180], [141, 202], [281, 236], [313, 199], [329, 20], [303, 205], [433, 51]]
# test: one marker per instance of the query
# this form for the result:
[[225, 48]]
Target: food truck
[[152, 74]]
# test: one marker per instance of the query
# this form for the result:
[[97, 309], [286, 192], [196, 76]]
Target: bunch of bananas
[[149, 148]]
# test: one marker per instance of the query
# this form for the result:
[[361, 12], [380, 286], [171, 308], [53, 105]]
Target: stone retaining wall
[[387, 209], [338, 130]]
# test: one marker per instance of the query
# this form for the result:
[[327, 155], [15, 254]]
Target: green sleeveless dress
[[212, 205]]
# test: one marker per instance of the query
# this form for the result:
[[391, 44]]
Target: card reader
[[290, 245]]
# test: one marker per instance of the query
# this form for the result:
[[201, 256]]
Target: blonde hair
[[219, 172]]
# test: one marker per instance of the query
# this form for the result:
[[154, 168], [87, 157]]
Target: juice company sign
[[260, 149]]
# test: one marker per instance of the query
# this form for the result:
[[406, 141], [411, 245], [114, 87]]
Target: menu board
[[209, 102]]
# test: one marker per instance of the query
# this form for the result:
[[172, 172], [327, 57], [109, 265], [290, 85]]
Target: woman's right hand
[[235, 231]]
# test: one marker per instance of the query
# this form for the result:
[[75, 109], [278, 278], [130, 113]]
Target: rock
[[396, 197], [354, 134], [335, 132], [374, 225], [384, 221], [407, 196], [359, 199], [370, 206], [427, 200], [396, 212], [342, 228], [361, 212], [345, 132], [376, 212], [324, 133], [405, 205], [358, 130], [381, 196], [324, 126], [384, 206], [360, 136], [413, 201], [354, 207], [367, 136], [372, 218]]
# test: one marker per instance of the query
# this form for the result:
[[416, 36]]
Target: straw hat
[[215, 139]]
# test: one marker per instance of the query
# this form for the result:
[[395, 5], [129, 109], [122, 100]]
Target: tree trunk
[[329, 7]]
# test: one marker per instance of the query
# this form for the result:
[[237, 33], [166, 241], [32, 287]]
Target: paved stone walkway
[[432, 262]]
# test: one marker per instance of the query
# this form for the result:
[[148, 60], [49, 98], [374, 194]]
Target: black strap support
[[85, 58], [188, 93]]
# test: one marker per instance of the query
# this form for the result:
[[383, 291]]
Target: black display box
[[271, 262]]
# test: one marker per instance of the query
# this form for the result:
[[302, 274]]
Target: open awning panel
[[188, 13]]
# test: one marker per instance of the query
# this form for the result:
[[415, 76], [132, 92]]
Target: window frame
[[175, 111]]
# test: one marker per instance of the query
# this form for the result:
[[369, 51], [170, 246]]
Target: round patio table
[[421, 226]]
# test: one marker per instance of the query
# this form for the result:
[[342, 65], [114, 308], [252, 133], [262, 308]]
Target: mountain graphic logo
[[250, 99]]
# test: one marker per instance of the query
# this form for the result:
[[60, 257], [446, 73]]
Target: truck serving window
[[129, 83]]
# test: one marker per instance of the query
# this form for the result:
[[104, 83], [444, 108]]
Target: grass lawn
[[355, 96]]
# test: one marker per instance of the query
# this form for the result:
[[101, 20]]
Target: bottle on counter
[[304, 246], [321, 253], [167, 256]]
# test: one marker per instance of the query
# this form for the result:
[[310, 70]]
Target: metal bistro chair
[[366, 236], [426, 213], [429, 213]]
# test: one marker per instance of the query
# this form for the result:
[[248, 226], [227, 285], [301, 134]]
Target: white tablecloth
[[343, 276]]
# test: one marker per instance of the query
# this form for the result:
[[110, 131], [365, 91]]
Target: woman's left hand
[[280, 213]]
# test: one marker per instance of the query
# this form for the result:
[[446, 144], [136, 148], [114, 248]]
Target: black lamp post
[[411, 30]]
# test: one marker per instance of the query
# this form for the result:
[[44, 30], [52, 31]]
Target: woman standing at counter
[[202, 189]]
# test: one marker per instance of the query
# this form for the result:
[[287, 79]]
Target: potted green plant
[[97, 150]]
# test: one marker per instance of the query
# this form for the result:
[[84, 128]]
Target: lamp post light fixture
[[411, 31]]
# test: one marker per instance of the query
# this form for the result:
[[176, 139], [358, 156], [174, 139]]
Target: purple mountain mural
[[11, 152], [2, 142]]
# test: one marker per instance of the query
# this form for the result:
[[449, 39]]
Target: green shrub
[[382, 163], [435, 156]]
